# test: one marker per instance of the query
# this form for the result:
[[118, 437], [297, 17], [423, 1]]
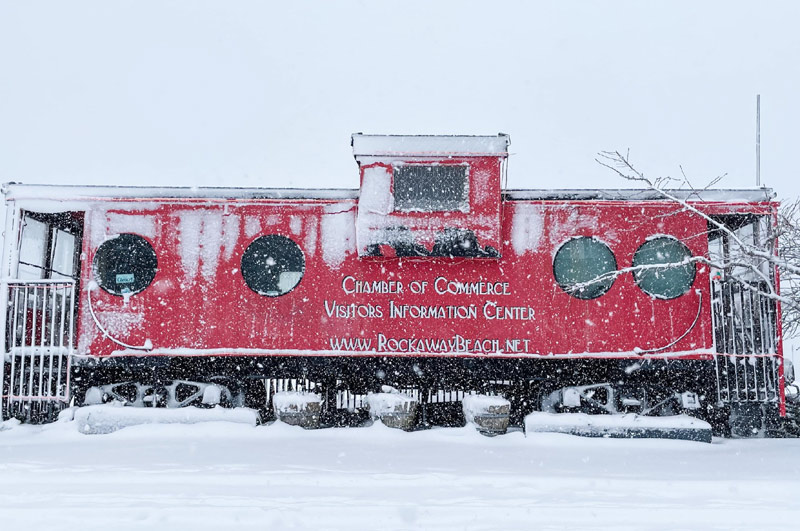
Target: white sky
[[257, 93]]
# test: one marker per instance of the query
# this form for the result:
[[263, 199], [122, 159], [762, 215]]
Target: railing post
[[53, 312], [23, 341], [33, 336], [71, 347], [4, 319]]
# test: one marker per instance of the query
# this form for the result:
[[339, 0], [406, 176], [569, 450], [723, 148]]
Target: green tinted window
[[582, 266], [674, 278]]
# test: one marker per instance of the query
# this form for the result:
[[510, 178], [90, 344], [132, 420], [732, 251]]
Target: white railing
[[38, 319]]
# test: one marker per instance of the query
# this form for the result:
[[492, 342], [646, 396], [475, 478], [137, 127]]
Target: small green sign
[[126, 278]]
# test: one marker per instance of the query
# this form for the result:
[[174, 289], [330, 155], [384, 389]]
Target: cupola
[[429, 196]]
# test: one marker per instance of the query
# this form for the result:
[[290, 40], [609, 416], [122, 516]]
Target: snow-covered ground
[[233, 476]]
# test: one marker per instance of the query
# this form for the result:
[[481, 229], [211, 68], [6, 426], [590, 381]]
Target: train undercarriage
[[652, 388]]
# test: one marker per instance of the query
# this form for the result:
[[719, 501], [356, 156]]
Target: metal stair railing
[[38, 319], [745, 335]]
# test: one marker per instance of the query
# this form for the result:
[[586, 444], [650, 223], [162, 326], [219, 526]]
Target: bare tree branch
[[753, 258]]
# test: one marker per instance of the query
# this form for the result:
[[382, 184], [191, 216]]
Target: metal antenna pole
[[758, 140]]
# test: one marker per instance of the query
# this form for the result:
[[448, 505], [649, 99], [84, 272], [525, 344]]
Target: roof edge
[[15, 191], [746, 195]]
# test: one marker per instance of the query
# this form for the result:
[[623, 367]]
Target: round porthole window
[[582, 267], [273, 265], [125, 264], [674, 278]]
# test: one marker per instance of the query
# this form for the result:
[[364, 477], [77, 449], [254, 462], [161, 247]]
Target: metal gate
[[39, 340], [745, 335]]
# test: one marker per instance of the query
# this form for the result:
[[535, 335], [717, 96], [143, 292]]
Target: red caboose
[[430, 278]]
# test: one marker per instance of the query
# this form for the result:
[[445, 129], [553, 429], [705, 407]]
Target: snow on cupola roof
[[429, 145]]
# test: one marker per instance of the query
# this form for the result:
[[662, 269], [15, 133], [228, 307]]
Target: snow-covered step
[[620, 426], [107, 418]]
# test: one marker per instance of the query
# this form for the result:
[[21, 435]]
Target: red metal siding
[[192, 307]]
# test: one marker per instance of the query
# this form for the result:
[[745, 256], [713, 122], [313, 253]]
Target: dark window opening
[[431, 188], [50, 245], [42, 307], [125, 264], [745, 316], [273, 265], [750, 229]]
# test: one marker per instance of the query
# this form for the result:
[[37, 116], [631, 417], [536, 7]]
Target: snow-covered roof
[[429, 145], [16, 191], [746, 195]]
